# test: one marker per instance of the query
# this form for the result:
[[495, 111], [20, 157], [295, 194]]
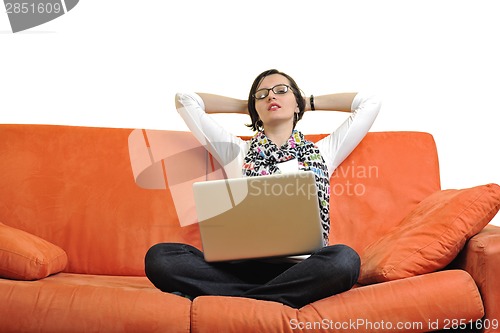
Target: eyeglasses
[[278, 89]]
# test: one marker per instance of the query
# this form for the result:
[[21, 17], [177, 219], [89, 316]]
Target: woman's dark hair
[[257, 124]]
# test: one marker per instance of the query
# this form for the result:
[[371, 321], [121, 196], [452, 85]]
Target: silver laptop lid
[[255, 217]]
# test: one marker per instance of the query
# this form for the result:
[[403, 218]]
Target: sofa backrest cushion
[[74, 187], [379, 183], [371, 191]]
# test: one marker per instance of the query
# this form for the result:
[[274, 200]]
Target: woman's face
[[276, 109]]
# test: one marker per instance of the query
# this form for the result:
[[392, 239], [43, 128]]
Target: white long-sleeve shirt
[[230, 150]]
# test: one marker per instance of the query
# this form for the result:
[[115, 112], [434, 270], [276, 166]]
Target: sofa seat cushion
[[432, 235], [91, 303], [24, 256], [417, 304]]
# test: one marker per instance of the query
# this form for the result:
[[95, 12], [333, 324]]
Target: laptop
[[258, 217]]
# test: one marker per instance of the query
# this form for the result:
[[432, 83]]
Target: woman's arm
[[338, 145], [222, 104], [332, 102], [224, 146]]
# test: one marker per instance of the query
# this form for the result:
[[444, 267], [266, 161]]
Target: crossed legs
[[174, 267]]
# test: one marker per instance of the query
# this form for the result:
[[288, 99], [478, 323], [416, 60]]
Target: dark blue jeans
[[174, 267]]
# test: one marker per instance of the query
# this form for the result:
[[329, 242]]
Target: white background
[[118, 63]]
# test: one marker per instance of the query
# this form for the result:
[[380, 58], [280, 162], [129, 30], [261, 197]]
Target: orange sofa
[[75, 226]]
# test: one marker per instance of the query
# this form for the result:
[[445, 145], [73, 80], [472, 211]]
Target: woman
[[275, 105]]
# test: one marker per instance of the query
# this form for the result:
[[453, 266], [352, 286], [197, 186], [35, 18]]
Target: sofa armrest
[[481, 259]]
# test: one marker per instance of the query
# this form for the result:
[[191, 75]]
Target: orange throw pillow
[[432, 235], [24, 256]]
